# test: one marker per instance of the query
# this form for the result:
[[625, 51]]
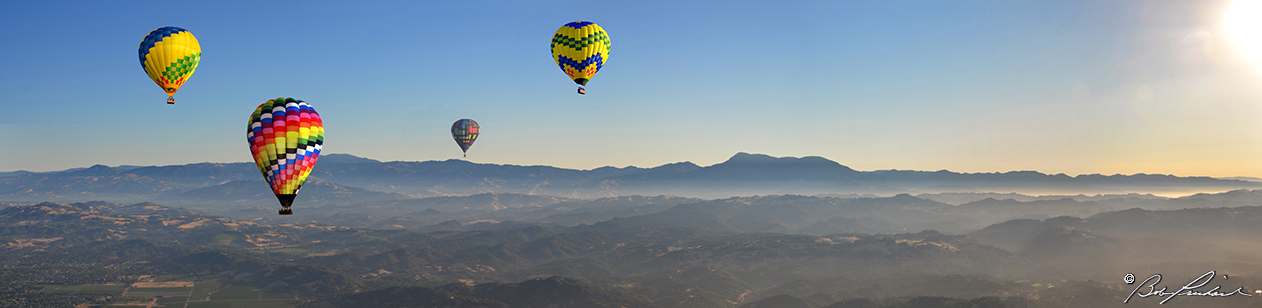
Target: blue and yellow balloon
[[170, 55], [580, 48]]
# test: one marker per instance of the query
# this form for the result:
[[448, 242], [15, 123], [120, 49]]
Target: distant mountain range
[[742, 175]]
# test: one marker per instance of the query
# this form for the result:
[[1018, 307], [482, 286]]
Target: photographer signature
[[1187, 290]]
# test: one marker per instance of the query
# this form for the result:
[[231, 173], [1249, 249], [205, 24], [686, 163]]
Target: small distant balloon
[[465, 131], [286, 136], [169, 56], [580, 48]]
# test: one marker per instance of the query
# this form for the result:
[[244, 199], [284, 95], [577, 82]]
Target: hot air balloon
[[170, 55], [465, 131], [285, 136], [580, 48]]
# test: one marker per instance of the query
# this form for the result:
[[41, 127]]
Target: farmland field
[[202, 289], [159, 290], [174, 300], [277, 293], [236, 292], [209, 305], [165, 284], [109, 289], [243, 303]]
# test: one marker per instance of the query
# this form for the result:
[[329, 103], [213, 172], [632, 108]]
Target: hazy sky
[[973, 86]]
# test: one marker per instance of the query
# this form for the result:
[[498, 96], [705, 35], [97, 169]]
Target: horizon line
[[1225, 178]]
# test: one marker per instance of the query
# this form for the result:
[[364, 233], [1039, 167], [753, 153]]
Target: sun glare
[[1243, 23]]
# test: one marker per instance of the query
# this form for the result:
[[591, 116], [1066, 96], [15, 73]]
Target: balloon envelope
[[285, 136], [580, 48], [465, 131], [169, 56]]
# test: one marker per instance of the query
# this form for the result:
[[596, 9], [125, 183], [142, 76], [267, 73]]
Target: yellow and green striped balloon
[[170, 55], [580, 48]]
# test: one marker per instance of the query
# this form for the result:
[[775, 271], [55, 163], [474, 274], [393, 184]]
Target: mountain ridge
[[743, 174]]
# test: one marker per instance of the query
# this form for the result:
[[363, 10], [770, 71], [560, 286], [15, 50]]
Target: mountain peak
[[747, 158], [742, 156], [96, 170]]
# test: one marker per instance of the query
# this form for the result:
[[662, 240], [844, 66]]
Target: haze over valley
[[754, 231]]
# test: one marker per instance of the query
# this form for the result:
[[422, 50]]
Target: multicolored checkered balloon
[[169, 56], [465, 131], [285, 136]]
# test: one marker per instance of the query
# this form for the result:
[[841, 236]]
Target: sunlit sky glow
[[1073, 87], [1242, 21]]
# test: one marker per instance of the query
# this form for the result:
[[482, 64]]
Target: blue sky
[[1070, 87]]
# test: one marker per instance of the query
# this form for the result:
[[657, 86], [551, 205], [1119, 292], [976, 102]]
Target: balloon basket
[[286, 212], [582, 91], [171, 100]]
